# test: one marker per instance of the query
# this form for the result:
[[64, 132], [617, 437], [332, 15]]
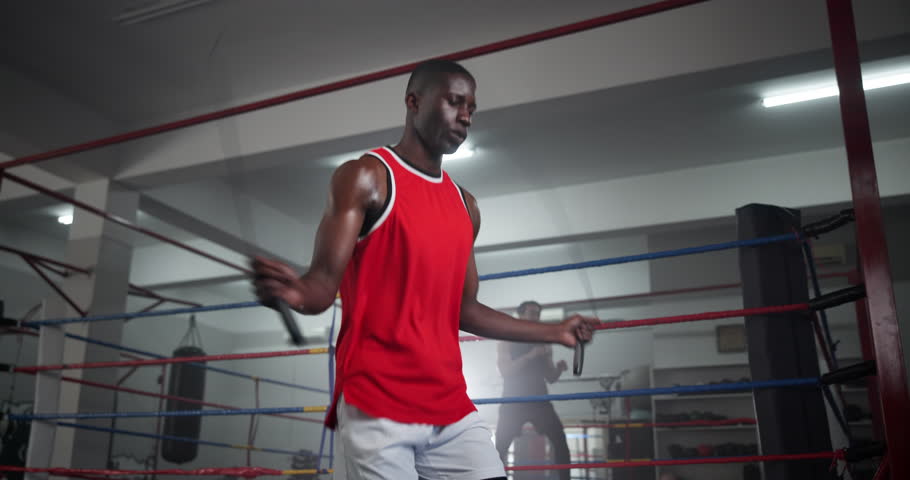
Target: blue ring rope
[[514, 273], [716, 388], [492, 276], [153, 313], [174, 413], [82, 426], [645, 256]]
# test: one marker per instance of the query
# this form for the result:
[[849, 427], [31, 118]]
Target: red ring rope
[[163, 361], [691, 423], [687, 461], [251, 472], [247, 472], [796, 307], [745, 312]]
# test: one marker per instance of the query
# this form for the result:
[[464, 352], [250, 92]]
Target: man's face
[[530, 312], [445, 112]]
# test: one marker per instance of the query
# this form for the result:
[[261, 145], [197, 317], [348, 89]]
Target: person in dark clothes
[[526, 369]]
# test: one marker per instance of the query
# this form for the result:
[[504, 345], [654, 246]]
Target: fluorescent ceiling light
[[464, 151], [869, 83], [65, 219], [144, 11]]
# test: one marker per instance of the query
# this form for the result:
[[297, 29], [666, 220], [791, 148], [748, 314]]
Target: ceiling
[[670, 124], [230, 51]]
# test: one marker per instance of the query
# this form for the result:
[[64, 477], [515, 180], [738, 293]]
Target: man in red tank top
[[397, 240]]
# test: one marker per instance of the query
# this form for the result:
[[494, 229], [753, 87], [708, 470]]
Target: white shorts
[[381, 449]]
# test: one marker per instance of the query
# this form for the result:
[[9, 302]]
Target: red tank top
[[398, 355]]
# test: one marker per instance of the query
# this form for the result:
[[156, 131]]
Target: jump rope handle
[[289, 322], [579, 362]]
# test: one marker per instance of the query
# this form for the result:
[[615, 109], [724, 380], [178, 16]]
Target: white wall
[[161, 335]]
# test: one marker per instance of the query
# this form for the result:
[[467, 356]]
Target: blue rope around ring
[[174, 413], [645, 256], [492, 276], [685, 389], [154, 313], [170, 437]]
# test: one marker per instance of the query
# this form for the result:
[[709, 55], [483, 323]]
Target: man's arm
[[554, 370], [356, 187], [508, 365], [484, 321]]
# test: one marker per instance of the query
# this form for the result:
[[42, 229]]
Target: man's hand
[[273, 279], [576, 328], [562, 366]]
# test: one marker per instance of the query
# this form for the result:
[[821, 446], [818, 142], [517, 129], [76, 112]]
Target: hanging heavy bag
[[187, 381]]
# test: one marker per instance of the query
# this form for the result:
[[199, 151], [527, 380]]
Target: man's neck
[[414, 151]]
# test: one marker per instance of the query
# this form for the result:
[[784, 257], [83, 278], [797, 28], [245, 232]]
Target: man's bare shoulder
[[364, 178], [366, 165], [473, 209]]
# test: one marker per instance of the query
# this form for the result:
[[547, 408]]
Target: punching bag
[[187, 381]]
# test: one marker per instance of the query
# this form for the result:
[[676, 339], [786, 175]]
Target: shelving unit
[[709, 396], [732, 405], [706, 428]]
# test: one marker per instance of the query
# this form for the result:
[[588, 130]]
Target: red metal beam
[[51, 268], [46, 262], [70, 301], [873, 249], [122, 221], [144, 292], [523, 40], [152, 306], [49, 261], [18, 331]]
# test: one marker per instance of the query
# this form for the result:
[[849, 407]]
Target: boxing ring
[[871, 291]]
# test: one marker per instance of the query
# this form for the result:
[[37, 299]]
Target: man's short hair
[[527, 303], [431, 71]]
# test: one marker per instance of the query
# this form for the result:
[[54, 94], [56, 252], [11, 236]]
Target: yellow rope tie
[[628, 425], [311, 471], [247, 447], [319, 408]]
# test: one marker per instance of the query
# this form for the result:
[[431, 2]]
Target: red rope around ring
[[251, 472], [247, 472], [745, 312], [163, 361], [691, 423], [686, 461], [796, 307]]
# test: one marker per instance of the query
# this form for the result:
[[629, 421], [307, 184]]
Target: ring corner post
[[781, 346]]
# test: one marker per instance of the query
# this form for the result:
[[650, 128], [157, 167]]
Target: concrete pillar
[[107, 249]]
